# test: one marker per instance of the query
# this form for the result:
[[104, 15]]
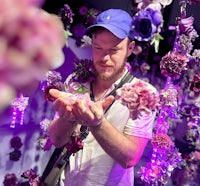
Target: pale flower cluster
[[31, 42]]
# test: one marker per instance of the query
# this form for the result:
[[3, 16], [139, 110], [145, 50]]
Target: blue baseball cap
[[117, 21]]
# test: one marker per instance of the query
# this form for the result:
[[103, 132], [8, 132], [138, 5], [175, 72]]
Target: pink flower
[[139, 98], [195, 84], [173, 64], [10, 179], [196, 155], [161, 126], [161, 141], [31, 42], [33, 178], [170, 96]]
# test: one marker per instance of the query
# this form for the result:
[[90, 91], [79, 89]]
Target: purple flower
[[30, 174], [66, 15], [33, 178], [184, 44], [186, 25], [195, 84], [15, 155], [83, 10], [16, 142], [10, 180], [79, 30], [83, 71], [146, 23]]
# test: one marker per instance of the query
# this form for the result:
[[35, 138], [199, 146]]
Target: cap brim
[[116, 31]]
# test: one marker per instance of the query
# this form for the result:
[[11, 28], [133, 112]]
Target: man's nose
[[105, 56]]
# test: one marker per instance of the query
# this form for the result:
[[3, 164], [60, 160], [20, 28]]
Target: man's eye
[[97, 48], [113, 50]]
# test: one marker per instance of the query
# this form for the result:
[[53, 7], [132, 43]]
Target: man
[[115, 142]]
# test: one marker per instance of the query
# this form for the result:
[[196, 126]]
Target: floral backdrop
[[167, 56]]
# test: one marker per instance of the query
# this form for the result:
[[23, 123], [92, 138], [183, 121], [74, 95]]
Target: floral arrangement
[[178, 99], [179, 67], [31, 43]]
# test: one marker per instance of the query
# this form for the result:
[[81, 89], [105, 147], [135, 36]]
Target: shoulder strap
[[126, 79]]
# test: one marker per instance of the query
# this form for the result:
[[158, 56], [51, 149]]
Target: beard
[[107, 74]]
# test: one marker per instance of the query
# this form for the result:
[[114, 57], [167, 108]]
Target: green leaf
[[81, 89], [67, 34], [156, 41]]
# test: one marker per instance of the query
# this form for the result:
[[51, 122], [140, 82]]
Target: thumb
[[107, 102]]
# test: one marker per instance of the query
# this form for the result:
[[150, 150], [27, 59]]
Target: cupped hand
[[91, 113], [63, 103]]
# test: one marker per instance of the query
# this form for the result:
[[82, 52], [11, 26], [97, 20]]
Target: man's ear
[[130, 48]]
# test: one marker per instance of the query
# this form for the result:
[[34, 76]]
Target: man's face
[[109, 55]]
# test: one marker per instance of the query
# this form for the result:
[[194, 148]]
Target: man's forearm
[[60, 131]]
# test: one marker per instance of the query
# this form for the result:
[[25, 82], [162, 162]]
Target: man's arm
[[63, 125], [125, 149], [60, 131]]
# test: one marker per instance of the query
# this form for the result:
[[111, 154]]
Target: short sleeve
[[141, 127]]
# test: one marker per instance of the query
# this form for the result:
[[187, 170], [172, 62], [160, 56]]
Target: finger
[[107, 102], [59, 107], [81, 110], [57, 94]]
